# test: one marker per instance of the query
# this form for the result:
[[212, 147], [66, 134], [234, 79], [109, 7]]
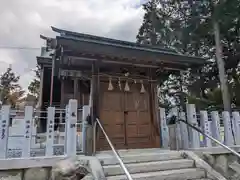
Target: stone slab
[[149, 167], [181, 174], [215, 150], [202, 164], [37, 174], [11, 175]]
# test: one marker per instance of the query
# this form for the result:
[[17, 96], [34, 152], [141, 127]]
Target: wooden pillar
[[93, 103], [52, 80], [39, 104], [94, 92], [62, 93], [75, 88]]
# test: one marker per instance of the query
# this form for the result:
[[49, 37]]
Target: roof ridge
[[67, 33]]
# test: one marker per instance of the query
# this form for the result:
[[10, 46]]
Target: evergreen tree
[[34, 86], [186, 27], [11, 92]]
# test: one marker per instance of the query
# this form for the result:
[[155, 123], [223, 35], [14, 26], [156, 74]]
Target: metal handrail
[[113, 149], [212, 138]]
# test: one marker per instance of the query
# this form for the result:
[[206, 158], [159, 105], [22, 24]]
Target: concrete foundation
[[44, 168], [222, 161]]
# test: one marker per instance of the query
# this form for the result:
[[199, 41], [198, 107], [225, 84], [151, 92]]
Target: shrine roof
[[64, 34], [81, 36], [76, 42]]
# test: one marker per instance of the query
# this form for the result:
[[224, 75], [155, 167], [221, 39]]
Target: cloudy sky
[[22, 21]]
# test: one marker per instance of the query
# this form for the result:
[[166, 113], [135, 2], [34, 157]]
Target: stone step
[[180, 174], [140, 157], [136, 151], [112, 170]]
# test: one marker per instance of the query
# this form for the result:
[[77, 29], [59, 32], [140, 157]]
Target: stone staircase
[[151, 164]]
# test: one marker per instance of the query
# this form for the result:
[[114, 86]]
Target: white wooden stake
[[4, 125], [28, 118], [192, 119], [184, 131], [71, 123], [85, 113], [216, 126], [228, 136], [164, 128], [205, 126], [236, 125], [50, 131]]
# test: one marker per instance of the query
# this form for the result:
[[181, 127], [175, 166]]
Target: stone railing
[[19, 137], [224, 127]]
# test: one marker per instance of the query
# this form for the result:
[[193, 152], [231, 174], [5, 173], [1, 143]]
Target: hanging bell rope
[[110, 86], [142, 87], [127, 88]]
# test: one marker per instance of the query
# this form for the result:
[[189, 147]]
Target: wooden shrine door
[[126, 117]]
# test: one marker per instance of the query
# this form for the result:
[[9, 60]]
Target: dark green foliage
[[187, 27], [34, 86], [10, 90]]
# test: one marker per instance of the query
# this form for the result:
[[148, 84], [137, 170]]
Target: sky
[[22, 22]]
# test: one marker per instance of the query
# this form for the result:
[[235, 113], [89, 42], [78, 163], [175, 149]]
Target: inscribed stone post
[[228, 135], [175, 113], [216, 126], [236, 125], [71, 140], [28, 118], [205, 126], [164, 128], [192, 119], [5, 114], [50, 131], [184, 131], [34, 132]]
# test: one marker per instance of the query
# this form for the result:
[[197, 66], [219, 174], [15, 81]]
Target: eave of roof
[[44, 60], [66, 33], [180, 58], [124, 44]]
